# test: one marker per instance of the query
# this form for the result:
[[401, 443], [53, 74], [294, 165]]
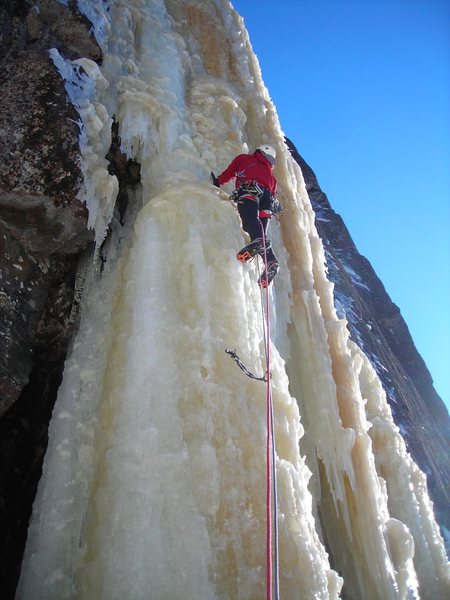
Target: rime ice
[[153, 483]]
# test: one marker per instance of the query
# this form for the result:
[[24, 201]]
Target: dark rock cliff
[[43, 228], [41, 218], [377, 326], [43, 234]]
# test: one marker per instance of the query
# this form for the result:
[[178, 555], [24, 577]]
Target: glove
[[215, 180]]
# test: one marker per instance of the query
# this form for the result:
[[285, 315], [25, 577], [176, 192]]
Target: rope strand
[[271, 482]]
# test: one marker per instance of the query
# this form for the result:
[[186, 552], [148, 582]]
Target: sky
[[362, 88]]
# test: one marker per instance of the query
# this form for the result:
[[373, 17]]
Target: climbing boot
[[254, 248], [268, 275]]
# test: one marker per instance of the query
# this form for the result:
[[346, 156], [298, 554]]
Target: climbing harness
[[251, 190], [243, 368]]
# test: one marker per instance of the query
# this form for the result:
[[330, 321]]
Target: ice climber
[[255, 196]]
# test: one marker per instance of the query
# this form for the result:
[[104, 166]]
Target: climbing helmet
[[268, 151]]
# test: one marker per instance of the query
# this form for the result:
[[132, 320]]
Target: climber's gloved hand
[[215, 180]]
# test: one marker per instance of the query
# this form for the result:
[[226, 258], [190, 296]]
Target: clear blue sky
[[362, 88]]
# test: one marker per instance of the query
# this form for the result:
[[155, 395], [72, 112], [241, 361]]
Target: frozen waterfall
[[153, 484]]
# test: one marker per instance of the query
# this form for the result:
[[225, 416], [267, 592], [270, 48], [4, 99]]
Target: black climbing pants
[[252, 221]]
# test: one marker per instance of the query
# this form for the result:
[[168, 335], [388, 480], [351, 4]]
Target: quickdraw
[[243, 368]]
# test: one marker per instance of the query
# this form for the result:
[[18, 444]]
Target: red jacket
[[250, 167]]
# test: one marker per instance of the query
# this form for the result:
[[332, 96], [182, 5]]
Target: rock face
[[41, 218], [42, 231], [377, 326]]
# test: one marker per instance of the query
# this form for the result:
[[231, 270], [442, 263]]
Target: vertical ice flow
[[153, 482]]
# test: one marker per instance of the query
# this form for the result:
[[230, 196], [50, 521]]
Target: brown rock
[[41, 217], [42, 230]]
